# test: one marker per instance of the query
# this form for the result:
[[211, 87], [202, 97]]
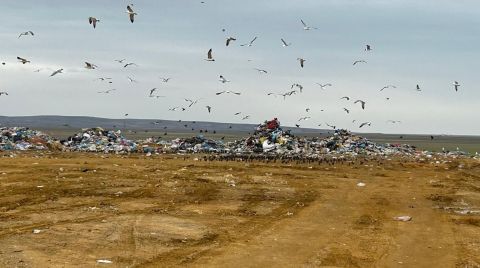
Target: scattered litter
[[22, 139], [36, 231], [99, 140], [104, 261], [361, 184], [403, 218]]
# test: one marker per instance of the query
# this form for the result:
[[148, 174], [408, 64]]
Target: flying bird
[[227, 92], [456, 85], [261, 71], [302, 61], [210, 56], [297, 125], [131, 13], [152, 90], [284, 43], [304, 118], [246, 117], [120, 61], [362, 102], [129, 64], [418, 88], [332, 126], [3, 93], [93, 21], [26, 33], [250, 43], [104, 78], [192, 102], [359, 61], [209, 108], [307, 110], [59, 71], [347, 98], [223, 79], [238, 113], [230, 39], [324, 86], [394, 121], [106, 91], [368, 48], [165, 80], [131, 80], [346, 110], [90, 66], [387, 86], [300, 87], [306, 27], [365, 124], [22, 60]]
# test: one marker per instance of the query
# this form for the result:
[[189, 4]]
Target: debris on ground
[[99, 140], [403, 218], [22, 138]]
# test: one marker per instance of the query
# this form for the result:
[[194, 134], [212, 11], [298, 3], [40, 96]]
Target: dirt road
[[77, 210]]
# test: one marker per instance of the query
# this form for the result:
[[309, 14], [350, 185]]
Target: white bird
[[307, 28], [324, 86], [387, 86], [359, 61], [302, 61], [284, 43], [174, 109], [120, 61], [106, 91], [456, 85], [249, 44], [365, 124], [362, 102], [131, 79], [93, 21], [230, 39], [59, 71], [192, 102], [209, 108], [152, 90], [394, 121], [130, 64], [165, 80], [22, 60], [304, 118], [3, 93], [90, 66], [261, 70], [418, 88], [104, 79], [210, 56], [307, 110], [131, 13], [246, 117], [332, 126], [223, 79], [26, 33], [368, 48], [346, 110], [237, 113], [300, 87], [347, 98], [227, 92]]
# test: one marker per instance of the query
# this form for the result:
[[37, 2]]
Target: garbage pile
[[99, 140], [197, 144], [22, 138]]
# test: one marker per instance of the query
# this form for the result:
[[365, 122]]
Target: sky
[[429, 43]]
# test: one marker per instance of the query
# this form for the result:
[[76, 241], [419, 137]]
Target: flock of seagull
[[294, 88]]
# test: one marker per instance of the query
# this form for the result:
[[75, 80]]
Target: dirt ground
[[72, 210]]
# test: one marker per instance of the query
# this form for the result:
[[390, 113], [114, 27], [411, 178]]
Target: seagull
[[120, 61], [223, 80], [261, 70], [238, 113], [192, 102], [368, 48], [334, 127], [246, 117], [131, 79], [90, 66], [228, 92], [387, 86], [128, 64], [107, 91], [324, 86], [300, 87], [290, 93], [103, 78], [59, 71], [307, 110], [297, 125], [346, 110], [131, 13], [418, 88], [173, 109], [394, 121], [230, 39], [359, 61], [304, 118], [285, 44], [301, 61], [209, 56], [3, 93], [307, 28], [208, 108], [347, 98], [456, 85], [365, 124], [249, 44], [165, 80], [157, 96], [152, 90], [26, 33], [93, 21], [362, 102], [22, 60]]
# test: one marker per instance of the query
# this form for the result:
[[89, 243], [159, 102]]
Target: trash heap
[[197, 144], [99, 140], [22, 138]]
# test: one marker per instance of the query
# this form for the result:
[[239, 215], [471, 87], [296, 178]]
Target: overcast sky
[[430, 43]]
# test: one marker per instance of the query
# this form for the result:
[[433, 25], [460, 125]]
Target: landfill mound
[[22, 138], [99, 140]]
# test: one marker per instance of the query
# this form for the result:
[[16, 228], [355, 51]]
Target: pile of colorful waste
[[198, 144], [99, 140], [21, 138]]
